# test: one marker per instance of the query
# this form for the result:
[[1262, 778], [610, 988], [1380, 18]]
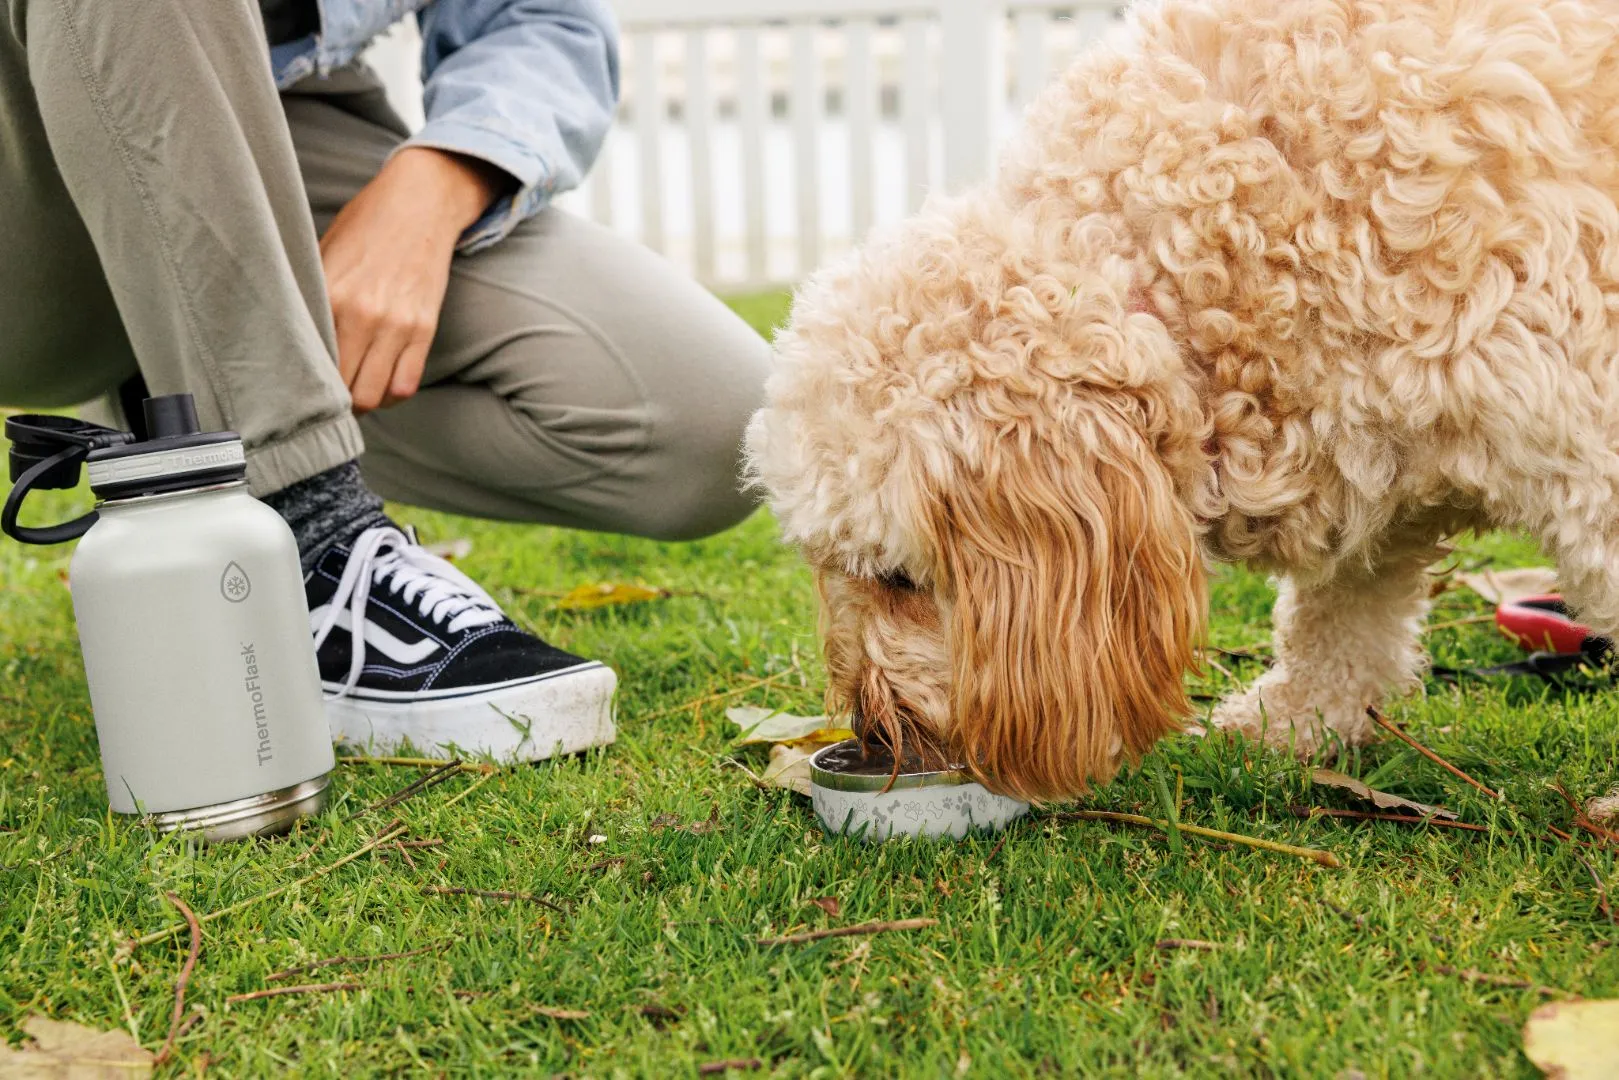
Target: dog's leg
[[1340, 646]]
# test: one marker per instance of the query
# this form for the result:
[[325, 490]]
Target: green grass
[[1044, 961]]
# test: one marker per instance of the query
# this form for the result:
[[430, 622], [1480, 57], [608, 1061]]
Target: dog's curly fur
[[1305, 283]]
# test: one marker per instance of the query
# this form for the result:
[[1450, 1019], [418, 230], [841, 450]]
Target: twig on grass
[[404, 854], [415, 787], [850, 931], [996, 850], [714, 1068], [1384, 723], [1168, 944], [363, 958], [415, 762], [468, 790], [1583, 822], [170, 931], [751, 684], [1325, 858], [310, 850], [1473, 975], [1366, 815], [490, 894], [1602, 890], [186, 969], [1358, 920], [283, 991]]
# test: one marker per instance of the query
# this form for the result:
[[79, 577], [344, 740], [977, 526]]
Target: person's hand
[[387, 258]]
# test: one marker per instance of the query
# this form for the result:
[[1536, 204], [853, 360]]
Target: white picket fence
[[757, 137]]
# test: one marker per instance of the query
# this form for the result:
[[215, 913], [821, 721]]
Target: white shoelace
[[436, 589]]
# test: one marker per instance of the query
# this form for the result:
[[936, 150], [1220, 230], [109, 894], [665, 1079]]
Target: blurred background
[[758, 137]]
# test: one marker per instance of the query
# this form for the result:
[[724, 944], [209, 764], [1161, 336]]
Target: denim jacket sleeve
[[529, 86]]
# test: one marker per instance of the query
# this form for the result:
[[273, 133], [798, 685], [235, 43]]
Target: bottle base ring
[[269, 814]]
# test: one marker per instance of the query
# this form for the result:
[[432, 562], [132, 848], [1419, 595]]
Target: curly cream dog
[[1305, 283]]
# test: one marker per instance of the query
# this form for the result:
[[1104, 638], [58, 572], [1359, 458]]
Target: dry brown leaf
[[561, 1014], [1508, 586], [590, 597], [59, 1049], [1604, 809], [829, 904], [1574, 1040], [1328, 778], [788, 768]]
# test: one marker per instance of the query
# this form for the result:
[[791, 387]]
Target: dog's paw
[[1287, 715]]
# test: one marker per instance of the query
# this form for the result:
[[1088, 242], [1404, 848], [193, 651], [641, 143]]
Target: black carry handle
[[47, 452]]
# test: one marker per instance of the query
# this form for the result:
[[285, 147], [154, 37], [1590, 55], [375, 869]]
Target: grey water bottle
[[192, 621]]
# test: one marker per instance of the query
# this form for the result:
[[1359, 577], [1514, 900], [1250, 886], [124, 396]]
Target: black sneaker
[[440, 665]]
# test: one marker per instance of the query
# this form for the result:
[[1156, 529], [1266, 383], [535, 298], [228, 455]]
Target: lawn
[[1053, 951]]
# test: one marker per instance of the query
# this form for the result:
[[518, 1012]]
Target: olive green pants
[[159, 212]]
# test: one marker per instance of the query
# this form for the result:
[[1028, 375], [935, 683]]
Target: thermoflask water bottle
[[192, 620]]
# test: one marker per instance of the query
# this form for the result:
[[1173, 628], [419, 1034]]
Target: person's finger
[[377, 369], [357, 326], [407, 375]]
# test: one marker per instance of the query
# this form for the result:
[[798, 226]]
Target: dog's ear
[[1078, 600]]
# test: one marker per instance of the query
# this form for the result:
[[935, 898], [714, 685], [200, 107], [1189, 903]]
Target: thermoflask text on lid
[[192, 621]]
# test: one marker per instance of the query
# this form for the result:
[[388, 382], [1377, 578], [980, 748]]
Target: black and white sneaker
[[439, 664]]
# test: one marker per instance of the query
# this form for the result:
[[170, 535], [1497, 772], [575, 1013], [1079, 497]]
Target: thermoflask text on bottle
[[192, 620]]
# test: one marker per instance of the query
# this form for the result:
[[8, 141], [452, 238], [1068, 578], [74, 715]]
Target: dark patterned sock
[[329, 508]]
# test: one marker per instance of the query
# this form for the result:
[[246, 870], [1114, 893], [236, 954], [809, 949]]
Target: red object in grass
[[1542, 623]]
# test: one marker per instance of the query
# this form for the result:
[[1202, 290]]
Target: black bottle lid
[[177, 454]]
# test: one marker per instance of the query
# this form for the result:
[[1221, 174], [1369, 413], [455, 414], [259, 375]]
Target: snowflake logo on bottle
[[234, 584]]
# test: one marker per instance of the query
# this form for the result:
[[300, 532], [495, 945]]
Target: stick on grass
[[175, 1025], [283, 991], [714, 1068], [415, 787], [364, 958], [170, 931], [491, 894], [1506, 982], [1383, 722], [1325, 858], [751, 684], [1367, 815], [850, 931]]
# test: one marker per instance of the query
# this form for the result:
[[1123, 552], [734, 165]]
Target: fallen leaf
[[829, 904], [1507, 586], [1601, 810], [788, 768], [590, 597], [561, 1014], [772, 726], [1328, 778], [67, 1050], [1574, 1040], [451, 550]]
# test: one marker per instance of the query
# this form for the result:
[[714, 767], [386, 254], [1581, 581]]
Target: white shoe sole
[[528, 720]]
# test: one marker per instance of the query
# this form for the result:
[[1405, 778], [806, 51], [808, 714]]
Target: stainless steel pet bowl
[[848, 792]]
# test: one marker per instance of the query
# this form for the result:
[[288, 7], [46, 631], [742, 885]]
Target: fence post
[[972, 69]]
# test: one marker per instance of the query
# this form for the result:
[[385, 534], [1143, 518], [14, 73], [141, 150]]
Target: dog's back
[[1385, 232]]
